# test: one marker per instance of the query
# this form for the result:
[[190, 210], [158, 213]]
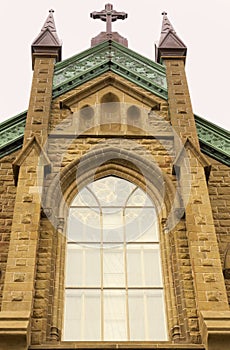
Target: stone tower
[[114, 217]]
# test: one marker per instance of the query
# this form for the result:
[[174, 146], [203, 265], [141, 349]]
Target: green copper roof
[[112, 56], [11, 134], [214, 141], [109, 56]]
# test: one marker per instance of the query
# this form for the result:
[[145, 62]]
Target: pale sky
[[203, 25]]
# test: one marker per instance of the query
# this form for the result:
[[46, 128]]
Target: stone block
[[14, 330], [215, 329]]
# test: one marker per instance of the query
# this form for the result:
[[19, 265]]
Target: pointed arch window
[[113, 284]]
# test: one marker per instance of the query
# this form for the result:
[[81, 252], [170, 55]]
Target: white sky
[[203, 25]]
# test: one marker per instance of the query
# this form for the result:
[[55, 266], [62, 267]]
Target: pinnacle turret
[[169, 44], [47, 42]]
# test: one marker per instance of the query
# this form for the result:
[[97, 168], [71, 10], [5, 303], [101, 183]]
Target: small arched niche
[[86, 118], [110, 112], [133, 118]]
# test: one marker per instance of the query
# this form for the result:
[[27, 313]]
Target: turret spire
[[47, 42], [169, 44]]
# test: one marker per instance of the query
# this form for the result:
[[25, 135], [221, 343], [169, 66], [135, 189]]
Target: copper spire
[[166, 25], [47, 42], [109, 15], [49, 23], [169, 44]]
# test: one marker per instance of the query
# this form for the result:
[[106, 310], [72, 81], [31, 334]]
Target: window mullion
[[102, 276], [126, 277]]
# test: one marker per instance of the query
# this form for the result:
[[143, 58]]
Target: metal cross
[[108, 15]]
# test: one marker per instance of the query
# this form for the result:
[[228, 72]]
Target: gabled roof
[[111, 56]]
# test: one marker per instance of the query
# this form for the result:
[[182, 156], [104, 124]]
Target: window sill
[[116, 345]]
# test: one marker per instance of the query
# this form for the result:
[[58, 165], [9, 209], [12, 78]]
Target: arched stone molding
[[102, 162], [108, 160]]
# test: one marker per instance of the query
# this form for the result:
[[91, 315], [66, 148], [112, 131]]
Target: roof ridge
[[84, 53]]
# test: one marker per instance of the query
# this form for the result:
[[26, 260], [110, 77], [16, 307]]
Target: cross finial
[[109, 15]]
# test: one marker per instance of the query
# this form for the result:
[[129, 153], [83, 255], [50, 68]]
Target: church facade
[[114, 216]]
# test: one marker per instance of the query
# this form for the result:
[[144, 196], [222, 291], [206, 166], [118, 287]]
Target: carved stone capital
[[164, 225], [180, 213], [60, 224], [54, 334], [46, 212], [175, 332]]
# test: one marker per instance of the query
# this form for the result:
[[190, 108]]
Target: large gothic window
[[113, 283]]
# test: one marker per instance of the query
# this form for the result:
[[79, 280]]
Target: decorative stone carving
[[46, 212], [121, 60]]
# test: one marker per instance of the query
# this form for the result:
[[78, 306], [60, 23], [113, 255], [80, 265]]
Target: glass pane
[[82, 315], [83, 267], [113, 267], [143, 265], [147, 315], [96, 222], [85, 199], [84, 225], [136, 315], [139, 199], [112, 191], [156, 315], [141, 225], [115, 327], [113, 230]]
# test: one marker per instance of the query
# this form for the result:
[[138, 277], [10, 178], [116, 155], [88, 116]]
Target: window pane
[[113, 230], [85, 199], [156, 315], [84, 225], [82, 315], [112, 191], [113, 267], [143, 265], [139, 198], [83, 266], [141, 225], [104, 215], [137, 315], [147, 315], [115, 327]]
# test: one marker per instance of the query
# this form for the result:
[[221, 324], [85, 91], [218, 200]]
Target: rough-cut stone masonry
[[219, 191], [7, 200]]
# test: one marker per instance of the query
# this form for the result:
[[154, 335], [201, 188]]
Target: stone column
[[193, 170], [29, 169]]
